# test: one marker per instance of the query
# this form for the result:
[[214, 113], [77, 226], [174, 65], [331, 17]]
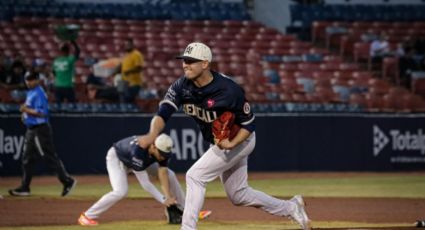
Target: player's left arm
[[148, 186], [32, 112], [165, 186], [38, 111]]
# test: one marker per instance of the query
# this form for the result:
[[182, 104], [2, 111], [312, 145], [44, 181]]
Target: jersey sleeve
[[173, 96], [136, 59], [171, 101], [242, 110], [139, 59]]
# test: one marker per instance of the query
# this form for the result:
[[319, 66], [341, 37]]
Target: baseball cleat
[[67, 188], [85, 221], [20, 192], [299, 214], [420, 224], [204, 214]]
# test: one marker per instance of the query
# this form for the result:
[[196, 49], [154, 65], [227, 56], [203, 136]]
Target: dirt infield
[[56, 211]]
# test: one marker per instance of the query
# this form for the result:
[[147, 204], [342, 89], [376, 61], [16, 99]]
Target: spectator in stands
[[40, 67], [13, 81], [271, 74], [400, 50], [39, 139], [63, 70], [131, 73], [99, 90], [407, 65], [380, 47]]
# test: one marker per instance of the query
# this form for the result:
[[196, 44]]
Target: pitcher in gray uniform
[[205, 95]]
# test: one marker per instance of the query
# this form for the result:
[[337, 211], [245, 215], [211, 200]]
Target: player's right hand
[[170, 201], [225, 144]]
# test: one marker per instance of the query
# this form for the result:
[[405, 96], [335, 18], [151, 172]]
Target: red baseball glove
[[224, 127]]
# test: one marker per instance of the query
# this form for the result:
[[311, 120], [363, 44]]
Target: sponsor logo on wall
[[188, 144], [10, 145], [407, 146]]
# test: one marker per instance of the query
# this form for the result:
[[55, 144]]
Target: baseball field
[[334, 201]]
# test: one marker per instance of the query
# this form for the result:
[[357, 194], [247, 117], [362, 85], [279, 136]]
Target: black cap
[[31, 76]]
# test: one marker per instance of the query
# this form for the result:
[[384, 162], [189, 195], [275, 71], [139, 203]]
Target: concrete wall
[[273, 13]]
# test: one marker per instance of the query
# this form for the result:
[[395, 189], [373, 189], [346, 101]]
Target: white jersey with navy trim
[[207, 103]]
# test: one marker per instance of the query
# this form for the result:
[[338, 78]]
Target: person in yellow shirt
[[131, 73]]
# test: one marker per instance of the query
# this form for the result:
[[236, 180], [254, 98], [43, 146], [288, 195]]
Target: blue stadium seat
[[315, 107]]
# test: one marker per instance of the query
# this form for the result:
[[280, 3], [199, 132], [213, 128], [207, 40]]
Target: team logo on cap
[[188, 50]]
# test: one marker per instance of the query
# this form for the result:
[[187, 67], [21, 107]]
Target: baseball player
[[219, 107], [126, 155]]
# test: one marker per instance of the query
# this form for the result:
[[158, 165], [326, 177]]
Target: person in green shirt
[[63, 70]]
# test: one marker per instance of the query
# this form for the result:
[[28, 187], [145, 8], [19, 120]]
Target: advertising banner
[[285, 142]]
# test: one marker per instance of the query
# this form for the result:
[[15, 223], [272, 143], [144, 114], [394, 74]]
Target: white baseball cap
[[196, 51], [164, 143]]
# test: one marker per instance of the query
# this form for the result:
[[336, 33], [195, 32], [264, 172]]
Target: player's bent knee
[[238, 198], [119, 194], [193, 178], [171, 173]]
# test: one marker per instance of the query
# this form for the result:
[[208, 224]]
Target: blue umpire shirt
[[37, 100]]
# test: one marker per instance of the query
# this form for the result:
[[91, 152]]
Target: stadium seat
[[358, 99], [390, 69], [326, 95], [361, 53], [330, 66], [393, 103], [289, 85], [378, 86], [374, 102], [318, 30], [413, 103]]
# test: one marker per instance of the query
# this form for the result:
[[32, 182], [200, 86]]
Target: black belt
[[37, 126]]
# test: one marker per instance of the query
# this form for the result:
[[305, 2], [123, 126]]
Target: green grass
[[404, 186], [390, 186]]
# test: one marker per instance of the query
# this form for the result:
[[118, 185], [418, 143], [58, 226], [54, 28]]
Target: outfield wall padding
[[285, 142]]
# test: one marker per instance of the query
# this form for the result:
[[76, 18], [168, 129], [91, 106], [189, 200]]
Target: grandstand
[[330, 73]]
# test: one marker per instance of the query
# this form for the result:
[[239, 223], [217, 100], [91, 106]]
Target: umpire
[[39, 139]]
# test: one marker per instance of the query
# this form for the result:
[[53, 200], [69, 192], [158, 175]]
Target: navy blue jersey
[[205, 104], [135, 157]]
